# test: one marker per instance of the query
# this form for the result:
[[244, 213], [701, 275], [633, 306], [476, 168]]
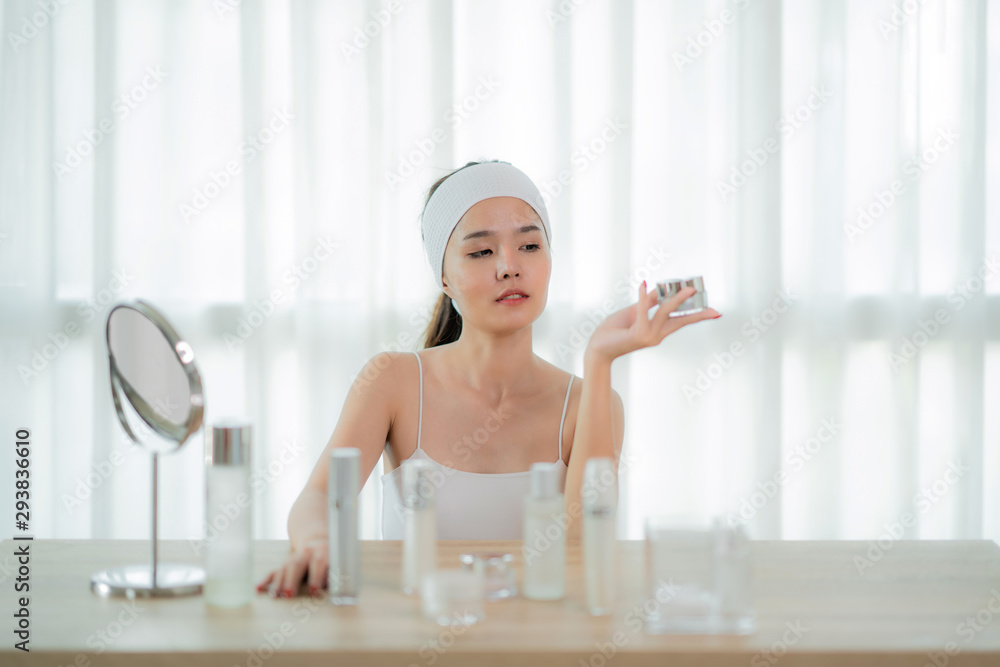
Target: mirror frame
[[185, 355]]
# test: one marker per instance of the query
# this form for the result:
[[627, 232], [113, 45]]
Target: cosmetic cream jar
[[695, 304]]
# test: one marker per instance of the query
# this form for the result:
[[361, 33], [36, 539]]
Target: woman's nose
[[507, 262]]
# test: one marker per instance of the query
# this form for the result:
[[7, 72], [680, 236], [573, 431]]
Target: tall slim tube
[[600, 504], [343, 484]]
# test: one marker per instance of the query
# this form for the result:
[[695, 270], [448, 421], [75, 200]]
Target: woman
[[477, 402]]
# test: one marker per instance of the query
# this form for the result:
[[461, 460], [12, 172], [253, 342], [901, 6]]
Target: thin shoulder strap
[[420, 413], [562, 419]]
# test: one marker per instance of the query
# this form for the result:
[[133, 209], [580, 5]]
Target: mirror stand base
[[135, 581]]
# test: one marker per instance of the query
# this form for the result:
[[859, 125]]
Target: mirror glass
[[155, 371]]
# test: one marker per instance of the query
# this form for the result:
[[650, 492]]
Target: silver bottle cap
[[600, 484], [229, 443], [546, 480], [418, 484], [344, 477], [696, 303]]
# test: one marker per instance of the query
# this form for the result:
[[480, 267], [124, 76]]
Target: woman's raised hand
[[310, 564], [631, 328]]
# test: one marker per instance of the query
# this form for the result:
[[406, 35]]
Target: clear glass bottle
[[734, 579], [228, 556], [544, 548], [419, 524], [343, 485], [600, 505]]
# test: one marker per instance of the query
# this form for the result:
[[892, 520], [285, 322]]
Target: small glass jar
[[453, 597], [695, 303], [497, 571]]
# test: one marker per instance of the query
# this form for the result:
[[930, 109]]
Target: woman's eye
[[482, 253]]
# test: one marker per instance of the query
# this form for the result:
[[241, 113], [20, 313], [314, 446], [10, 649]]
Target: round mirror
[[155, 369]]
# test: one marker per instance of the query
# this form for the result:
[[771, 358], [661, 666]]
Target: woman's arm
[[364, 423], [307, 520], [600, 427], [600, 431]]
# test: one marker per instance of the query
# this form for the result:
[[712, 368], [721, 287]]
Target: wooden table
[[814, 608]]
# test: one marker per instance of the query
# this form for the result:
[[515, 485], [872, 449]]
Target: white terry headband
[[461, 191]]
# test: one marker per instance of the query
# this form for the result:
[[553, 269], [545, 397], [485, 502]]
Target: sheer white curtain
[[255, 169]]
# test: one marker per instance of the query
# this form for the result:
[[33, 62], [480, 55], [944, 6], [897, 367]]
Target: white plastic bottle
[[600, 505], [420, 524], [228, 558], [544, 549]]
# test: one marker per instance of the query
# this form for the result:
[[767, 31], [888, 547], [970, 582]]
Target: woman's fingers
[[263, 585], [642, 316], [676, 323], [296, 573], [317, 572]]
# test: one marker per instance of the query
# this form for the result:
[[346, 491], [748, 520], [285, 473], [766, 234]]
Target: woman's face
[[498, 245]]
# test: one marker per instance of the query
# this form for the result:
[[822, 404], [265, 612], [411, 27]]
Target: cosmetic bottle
[[600, 505], [343, 484], [419, 524], [228, 561], [544, 548]]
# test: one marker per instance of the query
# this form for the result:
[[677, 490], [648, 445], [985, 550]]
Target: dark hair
[[446, 324]]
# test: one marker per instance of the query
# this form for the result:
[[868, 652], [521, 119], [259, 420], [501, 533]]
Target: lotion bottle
[[228, 560], [600, 505], [419, 524], [544, 548]]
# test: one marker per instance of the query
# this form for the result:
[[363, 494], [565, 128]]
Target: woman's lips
[[513, 301]]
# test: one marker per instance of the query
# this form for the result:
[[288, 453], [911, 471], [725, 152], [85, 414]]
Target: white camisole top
[[470, 505]]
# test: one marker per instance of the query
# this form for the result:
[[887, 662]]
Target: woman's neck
[[497, 367]]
